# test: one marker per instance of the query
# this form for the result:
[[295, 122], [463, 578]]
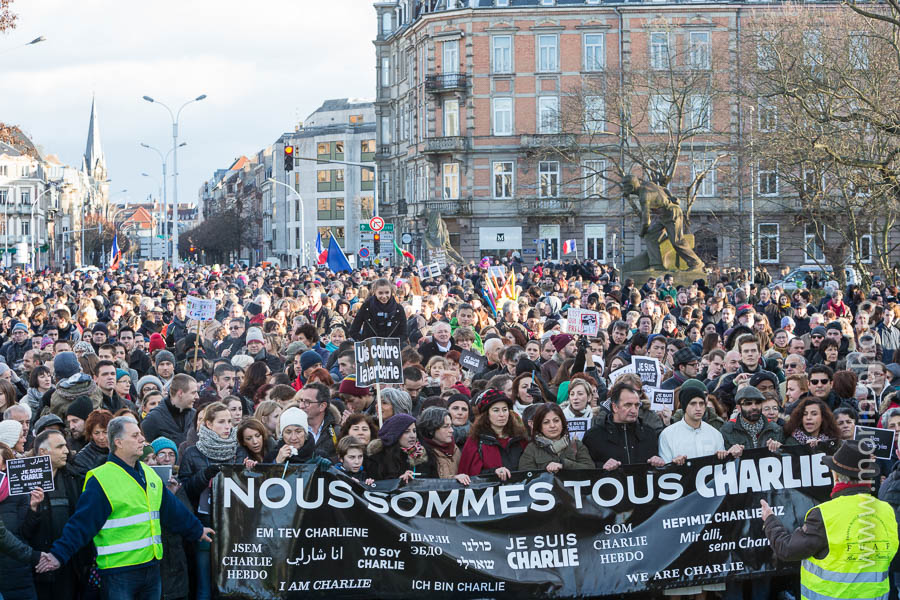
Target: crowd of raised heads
[[272, 379]]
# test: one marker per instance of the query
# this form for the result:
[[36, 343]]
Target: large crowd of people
[[104, 373]]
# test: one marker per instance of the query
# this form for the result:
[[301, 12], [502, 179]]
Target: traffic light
[[288, 158], [376, 245]]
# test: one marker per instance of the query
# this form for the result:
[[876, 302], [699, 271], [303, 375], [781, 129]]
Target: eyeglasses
[[817, 336], [819, 381], [792, 365]]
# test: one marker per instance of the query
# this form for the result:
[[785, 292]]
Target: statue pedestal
[[638, 268], [685, 278]]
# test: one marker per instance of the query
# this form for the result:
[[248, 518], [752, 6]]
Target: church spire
[[93, 153]]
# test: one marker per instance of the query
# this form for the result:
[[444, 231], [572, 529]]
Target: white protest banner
[[498, 271], [378, 361], [626, 370], [661, 399], [649, 370], [585, 322], [199, 309]]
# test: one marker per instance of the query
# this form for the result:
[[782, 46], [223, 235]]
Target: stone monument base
[[680, 278], [638, 268]]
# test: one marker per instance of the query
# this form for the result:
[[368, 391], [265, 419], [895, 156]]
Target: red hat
[[157, 342], [489, 397], [560, 341], [348, 386], [462, 390]]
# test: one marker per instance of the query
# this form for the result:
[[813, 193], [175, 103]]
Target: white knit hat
[[255, 334], [11, 431], [292, 416]]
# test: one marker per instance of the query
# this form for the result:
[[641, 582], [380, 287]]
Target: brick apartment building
[[465, 104]]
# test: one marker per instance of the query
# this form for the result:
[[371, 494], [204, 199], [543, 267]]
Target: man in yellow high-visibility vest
[[847, 543], [123, 509]]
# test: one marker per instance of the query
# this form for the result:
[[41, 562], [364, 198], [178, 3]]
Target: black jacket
[[375, 319], [192, 473], [431, 349], [390, 462], [90, 457], [116, 403], [304, 455], [17, 582], [331, 430], [174, 564], [168, 421], [140, 362], [46, 525], [632, 443]]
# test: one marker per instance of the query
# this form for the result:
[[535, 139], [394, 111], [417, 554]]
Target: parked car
[[796, 279]]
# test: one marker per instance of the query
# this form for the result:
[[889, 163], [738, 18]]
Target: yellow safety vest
[[132, 535], [862, 540]]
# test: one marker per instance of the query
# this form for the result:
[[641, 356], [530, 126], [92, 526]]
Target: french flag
[[569, 247], [321, 255]]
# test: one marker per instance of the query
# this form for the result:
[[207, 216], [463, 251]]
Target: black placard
[[882, 438], [472, 361], [647, 369], [378, 361], [292, 532], [26, 474]]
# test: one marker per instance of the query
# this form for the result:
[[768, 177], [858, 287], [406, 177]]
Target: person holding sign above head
[[620, 437], [551, 449], [124, 508], [496, 439]]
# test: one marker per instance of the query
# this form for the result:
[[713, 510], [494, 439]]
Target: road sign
[[364, 227], [376, 223], [364, 252], [406, 238]]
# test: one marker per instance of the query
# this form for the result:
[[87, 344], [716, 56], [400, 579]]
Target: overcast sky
[[264, 66]]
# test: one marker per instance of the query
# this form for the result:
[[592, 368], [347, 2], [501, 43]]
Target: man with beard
[[750, 429]]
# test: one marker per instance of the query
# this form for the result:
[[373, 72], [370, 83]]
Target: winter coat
[[390, 462], [177, 329], [90, 457], [233, 345], [66, 393], [191, 466], [17, 582], [13, 548], [276, 365], [375, 319], [140, 362], [14, 353], [538, 454], [174, 564], [116, 402], [167, 421], [734, 433], [328, 434], [446, 467], [632, 443], [304, 455], [46, 525], [890, 341], [485, 454]]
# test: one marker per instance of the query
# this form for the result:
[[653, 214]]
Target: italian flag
[[404, 253]]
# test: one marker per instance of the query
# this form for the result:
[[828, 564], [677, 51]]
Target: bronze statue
[[438, 238], [661, 218]]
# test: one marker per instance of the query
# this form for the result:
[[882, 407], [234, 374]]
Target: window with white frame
[[503, 179], [594, 178], [451, 181], [450, 57], [859, 51], [698, 49], [699, 113], [813, 250], [549, 239], [594, 52], [386, 130], [768, 115], [502, 121], [451, 117], [25, 197], [765, 51], [707, 186], [548, 178], [865, 247], [385, 71], [594, 114], [501, 54], [813, 182], [548, 114], [595, 242], [662, 113], [659, 50], [4, 196], [548, 53], [26, 227], [386, 23], [501, 2], [812, 48], [769, 242], [767, 178]]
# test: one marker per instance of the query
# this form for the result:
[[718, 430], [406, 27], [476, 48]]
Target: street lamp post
[[753, 184], [175, 118], [165, 205], [302, 221], [36, 40], [34, 229]]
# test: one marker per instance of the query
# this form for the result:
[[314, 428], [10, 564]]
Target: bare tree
[[826, 141], [665, 119]]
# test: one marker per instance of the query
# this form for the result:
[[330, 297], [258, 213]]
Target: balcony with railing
[[445, 82], [449, 208], [546, 206], [438, 145]]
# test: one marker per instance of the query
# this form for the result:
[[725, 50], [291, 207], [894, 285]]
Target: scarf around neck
[[213, 447], [557, 447], [448, 449], [803, 437], [754, 429]]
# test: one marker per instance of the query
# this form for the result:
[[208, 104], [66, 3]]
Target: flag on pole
[[569, 247], [337, 261], [321, 255], [404, 253], [115, 254]]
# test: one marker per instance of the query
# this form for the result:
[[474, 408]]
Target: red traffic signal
[[288, 158]]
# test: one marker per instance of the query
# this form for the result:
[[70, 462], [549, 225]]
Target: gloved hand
[[322, 464], [211, 471]]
